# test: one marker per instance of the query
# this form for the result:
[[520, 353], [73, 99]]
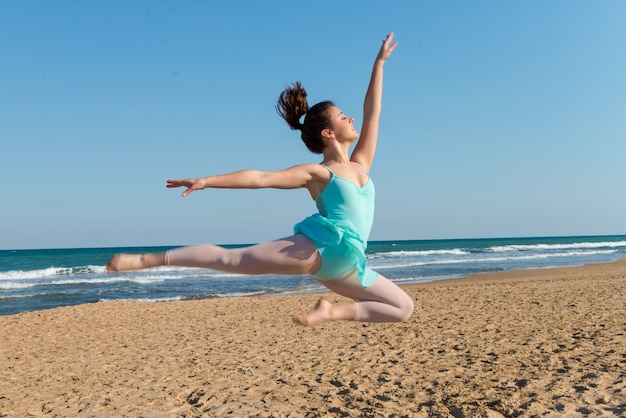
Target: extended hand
[[387, 47], [190, 184]]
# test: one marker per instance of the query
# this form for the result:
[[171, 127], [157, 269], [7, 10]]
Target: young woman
[[329, 245]]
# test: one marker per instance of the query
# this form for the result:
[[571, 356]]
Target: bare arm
[[366, 148], [303, 175]]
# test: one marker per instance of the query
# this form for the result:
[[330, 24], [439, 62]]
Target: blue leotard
[[341, 228]]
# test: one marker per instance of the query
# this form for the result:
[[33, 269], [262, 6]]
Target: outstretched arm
[[366, 147], [303, 175]]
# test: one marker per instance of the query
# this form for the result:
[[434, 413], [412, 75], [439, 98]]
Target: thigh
[[383, 290], [290, 255], [336, 261]]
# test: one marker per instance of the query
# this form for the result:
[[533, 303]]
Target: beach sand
[[549, 342]]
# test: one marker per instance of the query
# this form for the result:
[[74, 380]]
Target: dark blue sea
[[41, 279]]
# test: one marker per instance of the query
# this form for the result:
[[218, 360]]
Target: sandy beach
[[549, 342]]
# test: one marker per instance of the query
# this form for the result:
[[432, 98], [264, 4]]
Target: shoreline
[[538, 342], [523, 274]]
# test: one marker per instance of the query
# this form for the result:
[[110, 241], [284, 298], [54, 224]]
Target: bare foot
[[126, 262], [321, 313]]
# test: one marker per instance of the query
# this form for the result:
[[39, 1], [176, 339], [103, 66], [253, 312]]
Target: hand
[[190, 184], [387, 48]]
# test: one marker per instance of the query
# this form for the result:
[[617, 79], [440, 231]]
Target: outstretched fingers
[[387, 48], [190, 184]]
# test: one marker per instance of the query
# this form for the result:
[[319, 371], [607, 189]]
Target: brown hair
[[292, 105]]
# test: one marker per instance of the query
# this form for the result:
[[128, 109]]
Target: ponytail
[[292, 105]]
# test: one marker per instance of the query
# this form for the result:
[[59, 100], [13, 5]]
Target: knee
[[405, 308]]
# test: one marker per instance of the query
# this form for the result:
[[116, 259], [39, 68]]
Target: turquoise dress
[[341, 228]]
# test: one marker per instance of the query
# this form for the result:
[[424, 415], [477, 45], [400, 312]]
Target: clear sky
[[500, 118]]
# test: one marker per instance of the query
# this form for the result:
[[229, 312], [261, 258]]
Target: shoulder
[[314, 172], [301, 175], [317, 177]]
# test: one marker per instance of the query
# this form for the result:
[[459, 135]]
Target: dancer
[[329, 245]]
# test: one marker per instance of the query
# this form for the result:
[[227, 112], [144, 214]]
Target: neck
[[336, 154]]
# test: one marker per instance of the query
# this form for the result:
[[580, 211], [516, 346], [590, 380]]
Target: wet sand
[[549, 342]]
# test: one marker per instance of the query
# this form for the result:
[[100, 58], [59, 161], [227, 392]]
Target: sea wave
[[40, 279], [418, 253], [49, 272], [22, 279], [475, 260], [549, 247]]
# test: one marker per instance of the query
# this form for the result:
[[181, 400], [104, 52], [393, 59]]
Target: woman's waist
[[342, 225], [361, 224]]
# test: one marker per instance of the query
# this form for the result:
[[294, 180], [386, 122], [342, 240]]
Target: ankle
[[344, 312], [152, 260]]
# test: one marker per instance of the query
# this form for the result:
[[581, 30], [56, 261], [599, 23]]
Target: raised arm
[[303, 175], [366, 147]]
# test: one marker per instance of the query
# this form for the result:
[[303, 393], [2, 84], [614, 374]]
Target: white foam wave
[[424, 253], [473, 260], [15, 285], [170, 299], [424, 279], [49, 272], [549, 247], [24, 279]]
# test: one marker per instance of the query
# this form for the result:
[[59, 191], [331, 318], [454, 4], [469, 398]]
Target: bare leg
[[382, 302], [291, 255]]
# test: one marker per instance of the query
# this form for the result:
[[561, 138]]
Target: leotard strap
[[362, 168], [328, 168], [333, 173]]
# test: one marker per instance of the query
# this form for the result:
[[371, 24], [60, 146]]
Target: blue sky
[[500, 119]]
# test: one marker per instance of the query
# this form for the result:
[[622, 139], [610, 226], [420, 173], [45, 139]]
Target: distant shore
[[544, 342]]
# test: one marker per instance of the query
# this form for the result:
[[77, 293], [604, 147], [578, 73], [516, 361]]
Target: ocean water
[[40, 279]]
